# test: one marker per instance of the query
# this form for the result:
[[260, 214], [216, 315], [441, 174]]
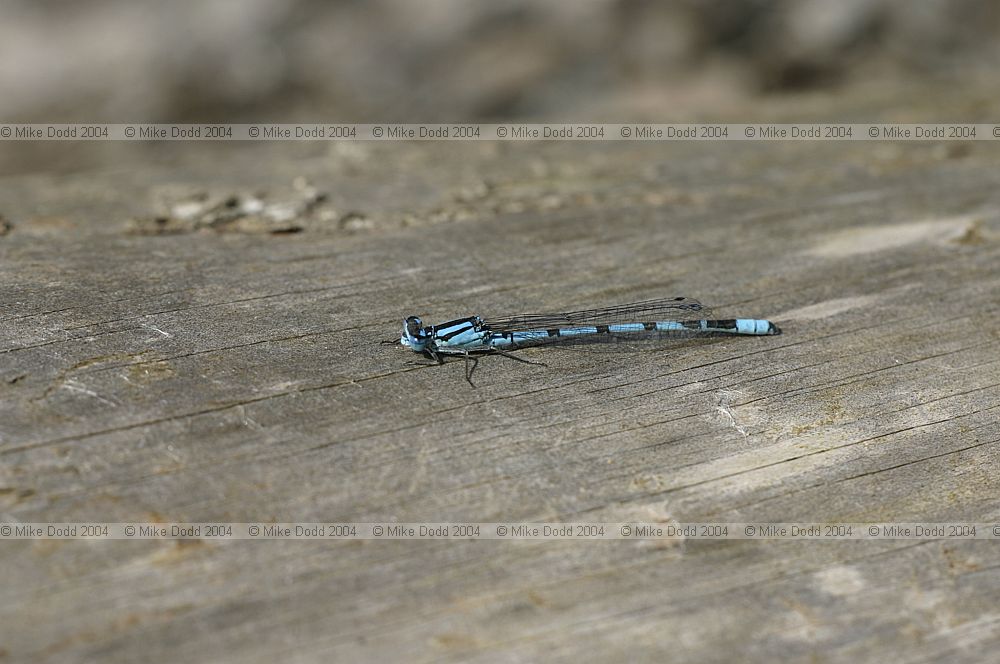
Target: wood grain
[[170, 352]]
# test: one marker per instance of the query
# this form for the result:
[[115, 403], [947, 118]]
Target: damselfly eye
[[413, 326]]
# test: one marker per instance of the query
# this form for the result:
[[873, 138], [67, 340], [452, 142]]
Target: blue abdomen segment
[[751, 326], [756, 326]]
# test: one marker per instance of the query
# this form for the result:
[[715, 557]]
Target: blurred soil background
[[451, 60]]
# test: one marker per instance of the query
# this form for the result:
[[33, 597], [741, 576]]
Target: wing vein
[[664, 309]]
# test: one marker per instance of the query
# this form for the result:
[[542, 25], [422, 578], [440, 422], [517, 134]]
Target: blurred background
[[455, 60], [443, 60]]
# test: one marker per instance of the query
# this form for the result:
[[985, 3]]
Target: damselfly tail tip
[[773, 329]]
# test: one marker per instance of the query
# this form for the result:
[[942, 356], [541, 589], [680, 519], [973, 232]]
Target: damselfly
[[474, 336]]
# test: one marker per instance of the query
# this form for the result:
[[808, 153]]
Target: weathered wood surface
[[225, 366]]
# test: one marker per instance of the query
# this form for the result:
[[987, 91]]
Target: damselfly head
[[414, 334]]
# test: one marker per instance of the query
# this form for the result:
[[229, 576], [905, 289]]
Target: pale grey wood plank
[[227, 373]]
